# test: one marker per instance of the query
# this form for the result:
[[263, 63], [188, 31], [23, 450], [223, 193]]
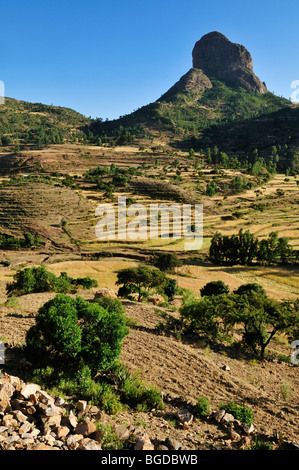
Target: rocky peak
[[218, 57]]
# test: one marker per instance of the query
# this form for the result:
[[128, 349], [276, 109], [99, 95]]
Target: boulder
[[105, 292]]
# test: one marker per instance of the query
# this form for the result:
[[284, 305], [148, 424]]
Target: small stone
[[62, 431], [98, 436], [143, 442], [19, 416], [42, 446], [85, 428], [73, 441], [122, 433], [6, 420], [4, 406], [70, 420], [161, 447], [89, 444], [173, 444], [185, 417], [44, 397], [81, 405], [25, 427], [35, 432], [59, 401], [29, 389], [244, 442], [6, 390], [218, 415], [227, 418], [11, 439], [248, 428], [233, 435]]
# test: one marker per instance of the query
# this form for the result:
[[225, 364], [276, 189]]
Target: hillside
[[34, 125], [218, 138]]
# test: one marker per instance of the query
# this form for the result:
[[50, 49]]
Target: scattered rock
[[227, 419], [143, 442], [105, 292], [218, 415], [185, 417], [248, 428], [244, 442], [121, 432], [85, 428], [156, 299], [173, 444]]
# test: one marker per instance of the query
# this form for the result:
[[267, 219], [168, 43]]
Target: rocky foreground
[[32, 419]]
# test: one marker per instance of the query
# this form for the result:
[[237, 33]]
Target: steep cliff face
[[220, 58]]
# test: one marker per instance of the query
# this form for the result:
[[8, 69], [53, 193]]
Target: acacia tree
[[141, 277], [261, 317]]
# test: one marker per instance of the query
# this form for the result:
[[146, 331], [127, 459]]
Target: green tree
[[261, 318], [167, 261], [250, 287], [214, 288], [71, 333], [141, 277]]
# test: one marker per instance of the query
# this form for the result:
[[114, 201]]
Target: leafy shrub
[[71, 333], [167, 261], [260, 445], [135, 393], [242, 413], [214, 288], [202, 407], [39, 279], [170, 289], [202, 316], [111, 305], [251, 287], [86, 282]]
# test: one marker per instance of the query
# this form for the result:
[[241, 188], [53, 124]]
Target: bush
[[71, 333], [170, 289], [167, 261], [214, 288], [111, 305], [86, 282], [203, 316], [251, 287], [39, 279], [242, 413], [202, 408]]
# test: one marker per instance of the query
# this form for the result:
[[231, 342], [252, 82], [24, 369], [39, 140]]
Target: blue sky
[[107, 58]]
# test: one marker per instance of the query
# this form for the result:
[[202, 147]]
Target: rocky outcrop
[[224, 60], [194, 81]]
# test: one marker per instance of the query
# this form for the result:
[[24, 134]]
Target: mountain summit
[[224, 60]]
